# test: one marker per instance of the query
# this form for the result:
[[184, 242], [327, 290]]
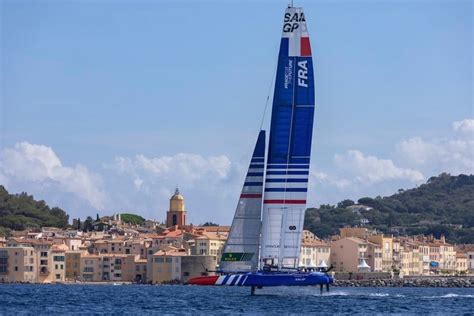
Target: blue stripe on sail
[[287, 180], [256, 166], [255, 174], [287, 172], [259, 150], [258, 160], [286, 190], [253, 184], [288, 167]]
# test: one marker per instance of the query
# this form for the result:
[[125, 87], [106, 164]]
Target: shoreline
[[444, 282], [426, 282]]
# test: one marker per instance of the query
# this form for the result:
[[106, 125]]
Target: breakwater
[[464, 282]]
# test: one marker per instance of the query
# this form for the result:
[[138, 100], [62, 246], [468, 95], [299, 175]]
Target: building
[[176, 214], [386, 244], [174, 265], [18, 264], [313, 251], [73, 264], [348, 253], [461, 263], [209, 243]]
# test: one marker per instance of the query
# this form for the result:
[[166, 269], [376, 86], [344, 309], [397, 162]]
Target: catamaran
[[264, 242]]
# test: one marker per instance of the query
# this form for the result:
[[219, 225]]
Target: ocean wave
[[451, 295]]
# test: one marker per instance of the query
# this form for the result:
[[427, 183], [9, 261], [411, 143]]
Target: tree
[[88, 224], [345, 203]]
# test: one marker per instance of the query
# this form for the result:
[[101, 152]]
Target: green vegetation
[[21, 211], [132, 219], [444, 205], [206, 224]]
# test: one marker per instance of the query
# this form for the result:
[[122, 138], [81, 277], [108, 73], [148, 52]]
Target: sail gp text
[[302, 73]]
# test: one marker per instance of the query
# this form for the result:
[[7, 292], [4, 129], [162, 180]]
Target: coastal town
[[175, 251]]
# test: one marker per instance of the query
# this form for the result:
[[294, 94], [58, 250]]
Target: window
[[44, 254], [117, 275], [58, 276], [56, 266], [3, 269], [58, 258], [159, 260], [16, 268], [168, 260], [62, 267], [88, 269], [44, 262]]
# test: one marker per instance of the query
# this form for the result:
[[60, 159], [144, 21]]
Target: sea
[[26, 299]]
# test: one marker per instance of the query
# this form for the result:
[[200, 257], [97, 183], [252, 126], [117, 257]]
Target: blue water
[[147, 299]]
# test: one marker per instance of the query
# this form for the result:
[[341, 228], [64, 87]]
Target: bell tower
[[177, 213]]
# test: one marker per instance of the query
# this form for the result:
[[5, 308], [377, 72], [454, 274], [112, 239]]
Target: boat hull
[[258, 279]]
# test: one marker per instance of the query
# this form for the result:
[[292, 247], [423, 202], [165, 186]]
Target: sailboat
[[264, 242]]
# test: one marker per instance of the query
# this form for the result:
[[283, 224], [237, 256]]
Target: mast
[[241, 249], [287, 172]]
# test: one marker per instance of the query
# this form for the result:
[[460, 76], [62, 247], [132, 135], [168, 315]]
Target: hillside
[[21, 211], [444, 205]]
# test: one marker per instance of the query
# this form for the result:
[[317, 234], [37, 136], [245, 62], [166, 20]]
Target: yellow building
[[166, 266], [18, 264], [314, 252], [386, 244], [210, 243]]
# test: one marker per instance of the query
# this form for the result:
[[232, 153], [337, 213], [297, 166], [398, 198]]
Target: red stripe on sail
[[250, 196], [284, 201], [305, 47]]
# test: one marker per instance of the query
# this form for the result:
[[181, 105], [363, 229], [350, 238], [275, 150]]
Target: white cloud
[[440, 155], [370, 169], [28, 164], [466, 125], [182, 168]]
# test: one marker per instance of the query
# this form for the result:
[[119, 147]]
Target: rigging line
[[269, 91]]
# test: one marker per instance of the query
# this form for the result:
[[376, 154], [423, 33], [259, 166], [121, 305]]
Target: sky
[[108, 106]]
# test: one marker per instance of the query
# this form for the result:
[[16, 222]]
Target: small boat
[[265, 238]]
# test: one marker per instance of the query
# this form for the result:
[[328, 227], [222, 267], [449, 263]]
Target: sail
[[241, 249], [286, 180]]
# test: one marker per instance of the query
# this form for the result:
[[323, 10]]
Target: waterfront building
[[314, 252], [176, 215], [18, 264], [348, 253], [375, 257], [73, 264], [58, 267], [175, 265], [386, 244], [209, 243], [90, 266], [461, 263]]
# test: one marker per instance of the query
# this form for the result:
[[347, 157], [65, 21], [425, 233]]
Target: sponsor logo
[[288, 74], [236, 256], [303, 73], [292, 21]]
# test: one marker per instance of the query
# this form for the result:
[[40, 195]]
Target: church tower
[[177, 213]]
